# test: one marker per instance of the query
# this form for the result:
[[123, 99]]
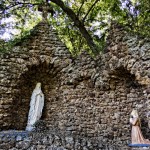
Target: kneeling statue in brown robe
[[136, 134]]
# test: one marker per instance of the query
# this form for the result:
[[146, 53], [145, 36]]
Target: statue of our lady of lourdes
[[36, 107]]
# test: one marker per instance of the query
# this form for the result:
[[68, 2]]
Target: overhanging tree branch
[[83, 20], [16, 4], [78, 24], [80, 8]]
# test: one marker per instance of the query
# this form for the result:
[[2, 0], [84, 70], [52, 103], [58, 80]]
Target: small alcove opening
[[46, 75], [122, 74], [128, 95]]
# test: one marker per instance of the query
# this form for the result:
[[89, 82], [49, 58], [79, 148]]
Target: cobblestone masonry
[[85, 97]]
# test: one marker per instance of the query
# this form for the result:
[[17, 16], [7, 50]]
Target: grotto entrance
[[37, 73]]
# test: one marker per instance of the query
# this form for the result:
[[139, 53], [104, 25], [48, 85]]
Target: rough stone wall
[[13, 140], [85, 97]]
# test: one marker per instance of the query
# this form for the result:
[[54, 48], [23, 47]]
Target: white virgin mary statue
[[36, 107]]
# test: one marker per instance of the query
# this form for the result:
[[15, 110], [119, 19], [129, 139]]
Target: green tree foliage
[[81, 24]]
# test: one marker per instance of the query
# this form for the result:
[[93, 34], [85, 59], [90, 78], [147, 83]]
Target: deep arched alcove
[[43, 73]]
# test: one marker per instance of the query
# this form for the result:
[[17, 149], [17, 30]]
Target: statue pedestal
[[139, 146]]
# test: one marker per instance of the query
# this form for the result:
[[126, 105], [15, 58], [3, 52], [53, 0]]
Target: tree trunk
[[78, 24]]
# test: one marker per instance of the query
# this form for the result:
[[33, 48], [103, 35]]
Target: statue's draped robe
[[136, 134], [36, 107]]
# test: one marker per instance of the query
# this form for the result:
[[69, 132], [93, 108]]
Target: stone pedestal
[[139, 146]]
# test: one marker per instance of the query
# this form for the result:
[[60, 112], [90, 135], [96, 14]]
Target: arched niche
[[127, 93], [44, 73]]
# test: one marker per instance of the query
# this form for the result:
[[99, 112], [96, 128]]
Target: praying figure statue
[[136, 134], [36, 107]]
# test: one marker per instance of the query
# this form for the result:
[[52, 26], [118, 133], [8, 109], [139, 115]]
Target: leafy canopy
[[81, 24]]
